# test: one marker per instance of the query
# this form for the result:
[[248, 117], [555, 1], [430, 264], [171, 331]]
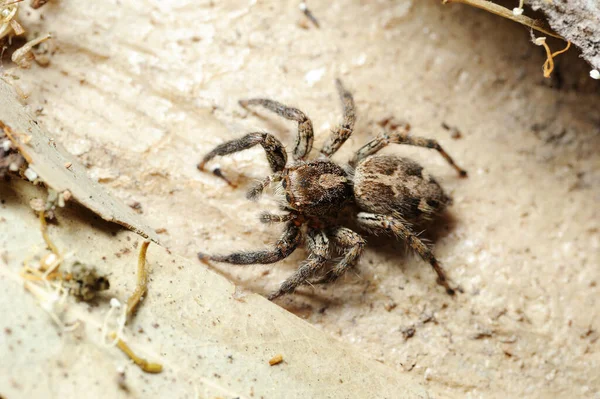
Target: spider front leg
[[374, 222], [257, 189], [341, 132], [275, 151], [402, 137], [318, 245], [283, 248], [354, 245], [304, 140]]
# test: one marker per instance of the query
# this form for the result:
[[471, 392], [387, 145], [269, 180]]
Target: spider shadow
[[430, 232], [350, 290], [358, 288], [320, 296]]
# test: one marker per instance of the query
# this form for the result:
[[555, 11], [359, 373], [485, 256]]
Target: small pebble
[[276, 360]]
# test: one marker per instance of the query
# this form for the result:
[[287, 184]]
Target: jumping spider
[[389, 193]]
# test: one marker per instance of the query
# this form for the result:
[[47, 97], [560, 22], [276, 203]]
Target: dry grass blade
[[145, 365], [508, 14], [142, 282]]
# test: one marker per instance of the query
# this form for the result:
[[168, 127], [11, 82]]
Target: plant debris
[[85, 282], [306, 11], [81, 281], [142, 281], [508, 14], [408, 332], [9, 10], [47, 157], [548, 66], [482, 334], [143, 364], [276, 360], [35, 4], [24, 55], [9, 26], [134, 299], [517, 15], [11, 161]]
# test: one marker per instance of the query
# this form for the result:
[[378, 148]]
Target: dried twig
[[44, 228], [304, 8], [23, 56], [35, 4], [8, 11], [509, 14], [516, 15], [6, 3], [142, 283], [549, 63], [145, 365], [132, 303]]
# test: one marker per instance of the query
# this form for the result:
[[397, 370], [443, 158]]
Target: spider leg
[[397, 227], [402, 137], [269, 218], [257, 189], [354, 245], [304, 140], [341, 132], [283, 248], [275, 151], [318, 245]]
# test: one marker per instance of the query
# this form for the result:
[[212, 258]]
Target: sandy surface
[[139, 91]]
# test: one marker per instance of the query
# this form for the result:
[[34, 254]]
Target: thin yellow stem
[[44, 228], [142, 280], [549, 64], [145, 365], [132, 303]]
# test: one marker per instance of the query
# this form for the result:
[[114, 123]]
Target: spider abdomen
[[392, 185], [317, 188]]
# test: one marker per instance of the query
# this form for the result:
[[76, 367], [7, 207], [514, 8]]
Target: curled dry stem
[[523, 20], [549, 64], [145, 365], [132, 303]]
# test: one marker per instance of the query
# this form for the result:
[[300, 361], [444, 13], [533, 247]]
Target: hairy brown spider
[[390, 192]]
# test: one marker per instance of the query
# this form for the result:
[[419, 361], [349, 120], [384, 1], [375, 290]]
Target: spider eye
[[284, 183], [288, 198]]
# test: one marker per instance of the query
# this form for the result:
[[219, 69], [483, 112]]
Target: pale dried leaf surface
[[210, 341], [49, 159]]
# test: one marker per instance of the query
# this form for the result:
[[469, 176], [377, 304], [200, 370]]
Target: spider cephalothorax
[[316, 188], [389, 192]]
